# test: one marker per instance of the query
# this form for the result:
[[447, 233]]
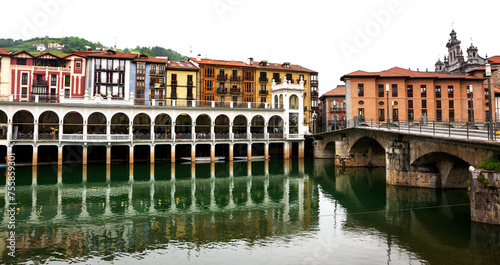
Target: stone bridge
[[416, 160]]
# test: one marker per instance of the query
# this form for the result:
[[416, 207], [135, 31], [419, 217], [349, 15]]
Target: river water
[[276, 212]]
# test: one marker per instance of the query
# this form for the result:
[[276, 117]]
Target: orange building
[[413, 94], [331, 109]]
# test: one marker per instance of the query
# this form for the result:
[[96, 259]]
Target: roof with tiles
[[220, 62], [281, 66], [4, 51], [112, 54], [338, 91], [405, 73], [494, 59], [176, 65]]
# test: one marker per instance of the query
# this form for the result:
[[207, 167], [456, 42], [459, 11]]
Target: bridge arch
[[450, 171], [367, 152]]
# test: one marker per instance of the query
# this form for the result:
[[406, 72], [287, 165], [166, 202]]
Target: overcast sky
[[331, 37]]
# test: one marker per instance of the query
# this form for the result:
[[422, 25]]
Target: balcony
[[222, 90], [277, 80], [298, 81], [235, 90], [314, 83], [222, 77], [314, 93], [40, 83], [337, 110], [190, 96], [173, 82], [263, 92], [173, 95], [263, 79], [235, 78]]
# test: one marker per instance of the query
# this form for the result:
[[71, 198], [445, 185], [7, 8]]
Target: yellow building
[[225, 81], [4, 73], [267, 72], [181, 81]]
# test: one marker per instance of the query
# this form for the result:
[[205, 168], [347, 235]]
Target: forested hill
[[75, 44]]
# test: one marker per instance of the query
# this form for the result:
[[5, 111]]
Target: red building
[[332, 109], [46, 77]]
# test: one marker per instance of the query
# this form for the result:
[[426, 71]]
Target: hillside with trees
[[81, 44]]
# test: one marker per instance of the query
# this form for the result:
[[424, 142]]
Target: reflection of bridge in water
[[105, 218], [426, 222]]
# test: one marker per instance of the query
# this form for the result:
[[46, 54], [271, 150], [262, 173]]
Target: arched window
[[276, 101], [294, 102], [281, 102]]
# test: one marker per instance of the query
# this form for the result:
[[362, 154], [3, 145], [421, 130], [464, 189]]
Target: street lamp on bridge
[[388, 118], [487, 73]]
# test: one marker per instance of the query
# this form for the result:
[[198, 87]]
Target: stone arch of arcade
[[101, 128]]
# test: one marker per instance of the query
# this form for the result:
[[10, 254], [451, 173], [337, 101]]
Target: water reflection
[[424, 222], [102, 211], [300, 211]]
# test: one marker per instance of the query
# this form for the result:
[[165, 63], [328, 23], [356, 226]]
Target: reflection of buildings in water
[[110, 217]]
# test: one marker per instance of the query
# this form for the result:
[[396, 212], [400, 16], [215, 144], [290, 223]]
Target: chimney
[[198, 58], [250, 61]]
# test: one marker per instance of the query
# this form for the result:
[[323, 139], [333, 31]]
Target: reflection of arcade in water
[[104, 218]]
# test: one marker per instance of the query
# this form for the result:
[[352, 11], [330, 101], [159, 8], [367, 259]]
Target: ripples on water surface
[[277, 212]]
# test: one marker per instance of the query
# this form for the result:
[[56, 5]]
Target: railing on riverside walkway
[[122, 100], [456, 128]]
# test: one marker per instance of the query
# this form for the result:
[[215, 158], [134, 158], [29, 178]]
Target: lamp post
[[471, 107], [388, 119], [490, 107]]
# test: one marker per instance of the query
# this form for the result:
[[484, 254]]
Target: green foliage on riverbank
[[492, 163]]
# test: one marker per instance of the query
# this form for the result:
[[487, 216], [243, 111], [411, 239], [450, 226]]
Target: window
[[395, 115], [53, 80], [424, 104], [276, 77], [21, 61], [381, 90], [410, 115], [248, 87], [439, 115], [361, 90], [450, 91], [424, 112], [451, 104], [153, 69], [262, 87], [263, 77], [235, 74], [263, 100], [209, 85], [423, 91], [361, 114], [122, 65], [110, 64], [294, 102], [451, 115], [409, 91], [276, 101], [248, 73], [24, 79], [289, 78], [141, 68], [24, 92], [67, 93], [235, 99], [394, 90], [381, 115], [98, 64], [438, 91], [174, 77], [438, 104], [410, 104], [209, 72], [78, 65]]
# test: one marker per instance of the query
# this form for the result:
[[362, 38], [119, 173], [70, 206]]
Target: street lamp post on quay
[[487, 73], [388, 118], [471, 107]]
